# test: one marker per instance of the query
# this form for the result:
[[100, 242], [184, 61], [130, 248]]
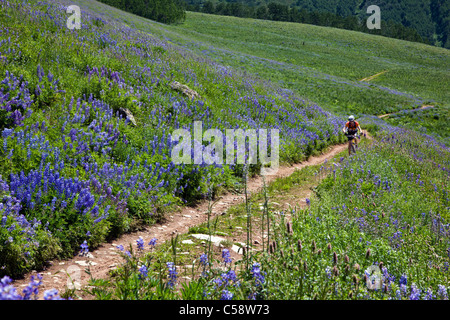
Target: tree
[[208, 7]]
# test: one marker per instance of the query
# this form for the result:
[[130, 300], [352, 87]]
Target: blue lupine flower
[[442, 292], [52, 294], [140, 243], [226, 295], [415, 293], [143, 272], [226, 256], [7, 291], [152, 243], [84, 248], [403, 280], [204, 259], [172, 274], [256, 272], [429, 295], [32, 288]]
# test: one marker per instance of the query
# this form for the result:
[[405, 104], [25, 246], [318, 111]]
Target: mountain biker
[[350, 129]]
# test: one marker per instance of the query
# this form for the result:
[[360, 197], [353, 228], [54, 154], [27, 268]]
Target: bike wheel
[[353, 148]]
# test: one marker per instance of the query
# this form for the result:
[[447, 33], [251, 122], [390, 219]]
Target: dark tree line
[[414, 20], [165, 11], [281, 12]]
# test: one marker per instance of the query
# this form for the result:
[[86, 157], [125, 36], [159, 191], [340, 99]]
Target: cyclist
[[350, 129]]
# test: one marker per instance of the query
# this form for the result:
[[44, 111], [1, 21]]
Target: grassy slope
[[324, 65]]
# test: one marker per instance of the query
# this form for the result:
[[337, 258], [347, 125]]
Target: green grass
[[323, 65]]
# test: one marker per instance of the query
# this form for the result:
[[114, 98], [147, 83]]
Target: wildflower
[[7, 291], [152, 243], [328, 272], [143, 272], [368, 253], [32, 288], [415, 293], [355, 279], [308, 202], [120, 247], [226, 295], [226, 256], [84, 249], [335, 271], [256, 273], [52, 294], [429, 295], [442, 292], [403, 280], [140, 243], [172, 274], [204, 259], [335, 258]]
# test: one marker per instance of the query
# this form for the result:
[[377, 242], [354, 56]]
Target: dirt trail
[[425, 106], [105, 257]]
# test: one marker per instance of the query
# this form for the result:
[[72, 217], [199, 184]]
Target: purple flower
[[226, 295], [143, 272], [7, 291], [256, 273], [226, 256], [52, 294], [442, 292], [152, 243], [415, 293], [84, 249], [204, 259], [140, 243], [172, 274]]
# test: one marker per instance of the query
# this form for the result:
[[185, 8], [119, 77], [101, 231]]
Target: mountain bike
[[352, 142]]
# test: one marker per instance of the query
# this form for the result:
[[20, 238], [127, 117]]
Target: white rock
[[214, 239], [85, 263], [188, 242]]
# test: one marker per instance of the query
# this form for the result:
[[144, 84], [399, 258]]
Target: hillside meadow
[[75, 171]]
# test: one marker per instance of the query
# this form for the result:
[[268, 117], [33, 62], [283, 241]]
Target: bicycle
[[352, 142]]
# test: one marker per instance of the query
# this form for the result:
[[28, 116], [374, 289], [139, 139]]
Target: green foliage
[[420, 21], [165, 11]]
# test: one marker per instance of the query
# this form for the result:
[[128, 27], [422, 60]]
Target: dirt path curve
[[105, 257], [425, 106]]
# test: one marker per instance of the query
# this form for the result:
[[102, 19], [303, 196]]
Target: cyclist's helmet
[[351, 118]]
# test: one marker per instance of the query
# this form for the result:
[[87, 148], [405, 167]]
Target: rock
[[256, 242], [237, 249], [191, 94], [85, 263], [188, 242], [215, 240], [124, 112]]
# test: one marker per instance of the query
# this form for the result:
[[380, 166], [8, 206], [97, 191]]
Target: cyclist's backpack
[[352, 125]]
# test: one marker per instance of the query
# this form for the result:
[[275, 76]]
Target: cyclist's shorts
[[351, 134]]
